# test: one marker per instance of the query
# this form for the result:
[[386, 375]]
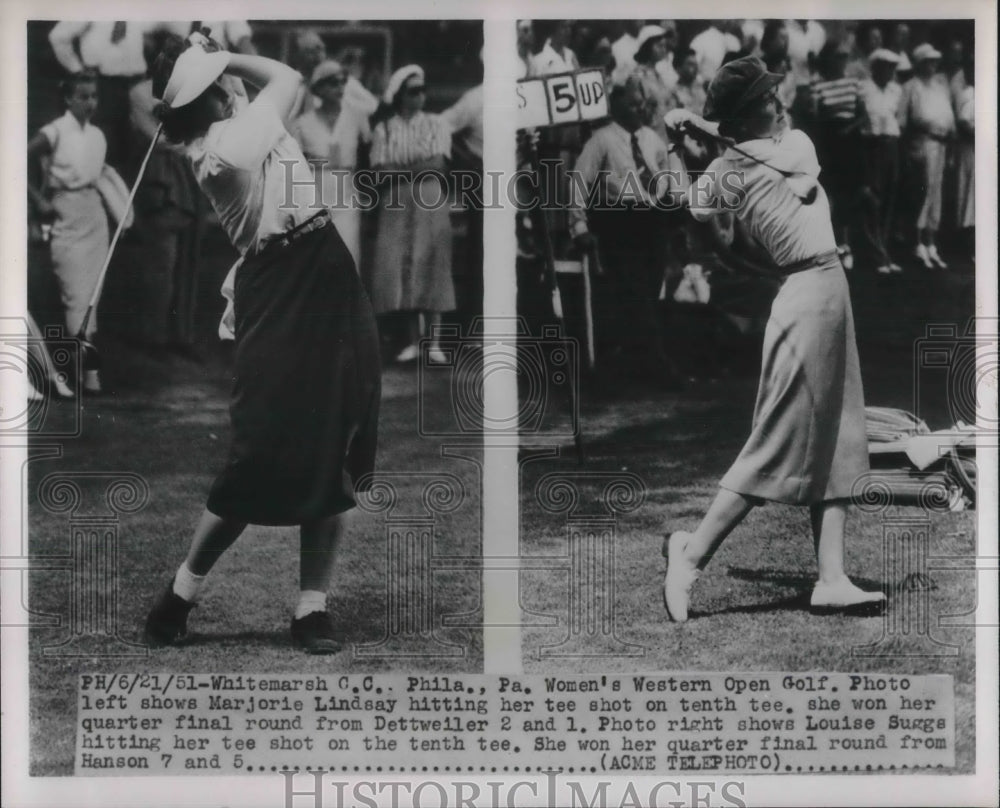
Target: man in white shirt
[[806, 39], [712, 45], [880, 131], [623, 49], [114, 50], [556, 56], [234, 35], [622, 173]]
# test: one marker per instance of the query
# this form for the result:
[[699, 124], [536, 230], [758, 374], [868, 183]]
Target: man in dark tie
[[621, 189]]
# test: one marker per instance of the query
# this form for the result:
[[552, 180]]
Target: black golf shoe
[[314, 634], [167, 621]]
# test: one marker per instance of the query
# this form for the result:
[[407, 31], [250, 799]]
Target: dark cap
[[737, 84]]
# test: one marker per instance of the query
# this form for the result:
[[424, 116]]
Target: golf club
[[89, 355], [696, 132]]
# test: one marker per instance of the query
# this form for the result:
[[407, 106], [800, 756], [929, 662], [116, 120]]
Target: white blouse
[[783, 224], [255, 175], [78, 152]]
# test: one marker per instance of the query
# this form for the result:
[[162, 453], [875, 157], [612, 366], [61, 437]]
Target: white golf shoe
[[843, 597], [680, 577]]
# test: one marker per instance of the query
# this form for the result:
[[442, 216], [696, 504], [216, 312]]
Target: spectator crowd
[[348, 116], [888, 105]]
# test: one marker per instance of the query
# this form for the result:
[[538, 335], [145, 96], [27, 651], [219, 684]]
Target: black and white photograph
[[755, 242], [498, 404], [232, 312]]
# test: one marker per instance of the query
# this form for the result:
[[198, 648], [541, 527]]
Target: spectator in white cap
[[880, 95], [411, 271], [928, 123], [330, 135], [651, 48]]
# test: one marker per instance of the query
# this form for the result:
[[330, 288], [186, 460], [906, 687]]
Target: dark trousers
[[880, 158], [113, 119], [839, 156], [169, 282], [633, 246]]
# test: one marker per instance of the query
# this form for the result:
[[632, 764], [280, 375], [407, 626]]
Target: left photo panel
[[252, 487]]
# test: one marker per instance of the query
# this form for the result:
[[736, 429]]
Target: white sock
[[310, 601], [186, 584]]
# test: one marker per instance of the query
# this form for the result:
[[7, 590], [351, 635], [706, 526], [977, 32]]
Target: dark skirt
[[305, 401]]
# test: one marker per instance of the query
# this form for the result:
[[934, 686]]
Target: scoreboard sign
[[561, 98]]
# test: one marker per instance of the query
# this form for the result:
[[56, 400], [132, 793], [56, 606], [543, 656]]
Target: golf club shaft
[[697, 132], [118, 231]]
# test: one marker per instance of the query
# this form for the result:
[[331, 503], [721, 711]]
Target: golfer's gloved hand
[[677, 119]]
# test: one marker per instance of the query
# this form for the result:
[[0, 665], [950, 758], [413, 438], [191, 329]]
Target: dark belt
[[320, 220], [809, 263]]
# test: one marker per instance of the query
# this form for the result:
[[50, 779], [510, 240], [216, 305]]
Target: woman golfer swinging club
[[304, 406], [807, 445]]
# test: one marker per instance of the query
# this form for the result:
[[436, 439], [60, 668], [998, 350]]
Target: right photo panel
[[746, 263]]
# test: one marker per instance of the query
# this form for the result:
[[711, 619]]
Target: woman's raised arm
[[277, 81]]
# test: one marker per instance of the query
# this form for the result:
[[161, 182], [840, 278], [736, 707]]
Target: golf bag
[[911, 465]]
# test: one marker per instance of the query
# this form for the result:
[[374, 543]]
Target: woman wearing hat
[[304, 408], [651, 48], [807, 445], [412, 266], [329, 136], [928, 123]]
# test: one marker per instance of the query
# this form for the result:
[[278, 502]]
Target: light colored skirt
[[79, 246], [808, 441], [411, 270]]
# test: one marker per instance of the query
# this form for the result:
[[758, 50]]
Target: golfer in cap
[[807, 445], [304, 408]]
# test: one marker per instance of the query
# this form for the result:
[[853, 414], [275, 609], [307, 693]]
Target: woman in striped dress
[[837, 116], [411, 272]]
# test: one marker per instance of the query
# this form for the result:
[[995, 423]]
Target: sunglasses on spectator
[[415, 90]]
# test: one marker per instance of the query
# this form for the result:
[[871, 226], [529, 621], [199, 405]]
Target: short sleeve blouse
[[255, 175], [783, 224]]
